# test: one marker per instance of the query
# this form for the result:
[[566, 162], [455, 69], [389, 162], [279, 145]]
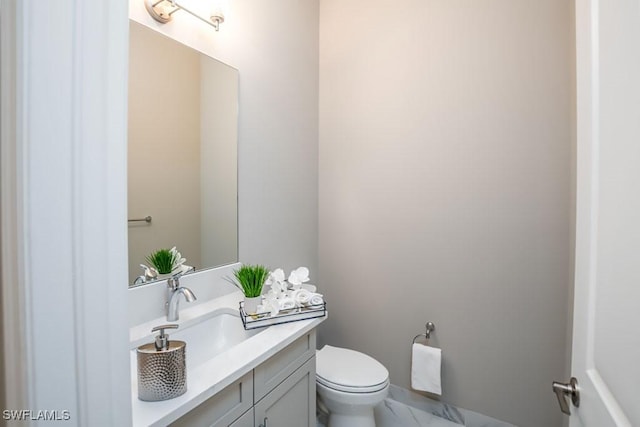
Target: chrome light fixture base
[[162, 11]]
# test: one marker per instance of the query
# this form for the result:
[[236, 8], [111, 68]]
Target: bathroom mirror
[[182, 153]]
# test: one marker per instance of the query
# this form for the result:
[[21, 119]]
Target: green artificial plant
[[250, 279], [163, 260]]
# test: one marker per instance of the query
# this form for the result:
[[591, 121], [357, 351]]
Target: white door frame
[[64, 252], [12, 309], [598, 405]]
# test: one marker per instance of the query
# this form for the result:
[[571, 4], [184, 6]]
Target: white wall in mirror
[[182, 156]]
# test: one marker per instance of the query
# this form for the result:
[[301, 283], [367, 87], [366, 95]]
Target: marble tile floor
[[404, 408]]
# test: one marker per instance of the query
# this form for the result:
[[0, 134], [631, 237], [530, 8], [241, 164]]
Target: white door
[[606, 347]]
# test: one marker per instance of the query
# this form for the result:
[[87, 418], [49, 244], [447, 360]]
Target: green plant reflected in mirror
[[182, 154]]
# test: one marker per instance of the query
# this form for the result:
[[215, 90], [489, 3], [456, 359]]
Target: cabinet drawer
[[293, 402], [275, 370], [222, 408]]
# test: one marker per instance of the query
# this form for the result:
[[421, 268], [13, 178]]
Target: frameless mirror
[[182, 153]]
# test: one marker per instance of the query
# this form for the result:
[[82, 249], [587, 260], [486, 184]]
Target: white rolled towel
[[301, 297], [316, 299], [287, 303]]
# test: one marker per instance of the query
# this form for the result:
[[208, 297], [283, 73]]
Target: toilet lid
[[348, 370]]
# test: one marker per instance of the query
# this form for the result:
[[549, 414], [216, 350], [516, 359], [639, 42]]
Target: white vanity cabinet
[[222, 409], [285, 386], [244, 421], [292, 403], [280, 392]]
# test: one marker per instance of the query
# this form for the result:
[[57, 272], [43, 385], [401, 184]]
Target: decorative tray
[[260, 320]]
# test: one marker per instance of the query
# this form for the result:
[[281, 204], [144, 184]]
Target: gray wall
[[445, 191], [276, 51], [219, 163]]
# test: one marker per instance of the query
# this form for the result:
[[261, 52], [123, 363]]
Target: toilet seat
[[348, 389], [350, 371]]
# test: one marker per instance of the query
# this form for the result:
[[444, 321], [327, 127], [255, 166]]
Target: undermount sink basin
[[213, 334], [209, 335]]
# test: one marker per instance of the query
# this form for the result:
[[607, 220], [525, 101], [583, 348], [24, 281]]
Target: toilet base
[[362, 418], [349, 409]]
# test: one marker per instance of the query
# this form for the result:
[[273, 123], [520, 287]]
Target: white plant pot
[[251, 304], [163, 276]]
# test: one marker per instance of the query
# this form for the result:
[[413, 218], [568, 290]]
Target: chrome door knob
[[563, 390]]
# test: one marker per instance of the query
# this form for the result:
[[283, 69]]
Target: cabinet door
[[223, 408], [244, 421], [293, 402], [272, 372]]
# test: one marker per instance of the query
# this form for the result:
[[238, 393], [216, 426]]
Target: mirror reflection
[[182, 154]]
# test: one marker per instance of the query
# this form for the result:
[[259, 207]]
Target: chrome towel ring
[[430, 327]]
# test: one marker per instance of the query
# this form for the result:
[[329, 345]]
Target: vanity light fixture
[[162, 11]]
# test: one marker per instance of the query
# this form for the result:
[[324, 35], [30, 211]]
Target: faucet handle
[[173, 282], [162, 340]]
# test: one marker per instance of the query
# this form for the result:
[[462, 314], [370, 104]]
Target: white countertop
[[207, 379]]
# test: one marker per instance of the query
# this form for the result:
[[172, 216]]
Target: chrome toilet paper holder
[[430, 327]]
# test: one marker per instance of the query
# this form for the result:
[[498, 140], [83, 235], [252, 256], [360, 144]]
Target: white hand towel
[[316, 299], [301, 297], [425, 368], [287, 303]]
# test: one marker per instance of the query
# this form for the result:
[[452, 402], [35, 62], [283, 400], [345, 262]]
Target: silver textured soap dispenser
[[162, 372]]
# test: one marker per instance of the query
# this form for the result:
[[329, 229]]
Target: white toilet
[[350, 384]]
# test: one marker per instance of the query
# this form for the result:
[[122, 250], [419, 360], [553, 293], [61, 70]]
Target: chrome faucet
[[174, 290]]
